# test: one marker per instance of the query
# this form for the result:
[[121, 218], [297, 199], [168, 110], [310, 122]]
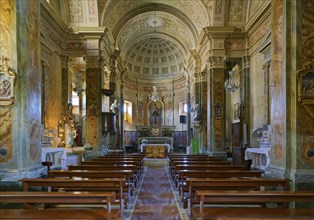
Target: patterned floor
[[156, 198]]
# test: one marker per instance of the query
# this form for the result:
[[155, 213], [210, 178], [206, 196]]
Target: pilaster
[[66, 94], [93, 99], [216, 97], [245, 100]]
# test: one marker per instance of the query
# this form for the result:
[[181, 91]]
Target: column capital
[[93, 61], [217, 62]]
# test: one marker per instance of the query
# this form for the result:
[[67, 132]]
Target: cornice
[[255, 22], [219, 32], [47, 12]]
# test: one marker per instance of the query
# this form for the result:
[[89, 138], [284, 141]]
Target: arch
[[155, 113]]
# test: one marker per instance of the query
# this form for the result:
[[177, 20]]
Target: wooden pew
[[64, 214], [100, 185], [135, 177], [204, 166], [194, 184], [251, 197], [183, 174], [123, 156], [121, 160], [173, 164], [60, 198], [213, 172], [115, 163], [186, 155], [126, 174], [227, 213]]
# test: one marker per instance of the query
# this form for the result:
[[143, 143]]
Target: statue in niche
[[114, 107], [196, 112], [69, 127], [155, 117]]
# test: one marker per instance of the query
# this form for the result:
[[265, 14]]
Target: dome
[[155, 57]]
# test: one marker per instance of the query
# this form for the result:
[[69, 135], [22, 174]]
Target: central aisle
[[156, 198]]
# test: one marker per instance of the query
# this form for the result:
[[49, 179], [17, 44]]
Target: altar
[[161, 136], [260, 157], [50, 154], [155, 150]]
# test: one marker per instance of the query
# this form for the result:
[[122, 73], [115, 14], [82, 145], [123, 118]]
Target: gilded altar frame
[[7, 82], [306, 86]]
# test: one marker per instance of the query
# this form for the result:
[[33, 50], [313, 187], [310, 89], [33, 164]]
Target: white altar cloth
[[166, 145], [260, 157], [51, 151]]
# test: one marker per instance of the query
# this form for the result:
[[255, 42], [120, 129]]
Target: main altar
[[155, 142]]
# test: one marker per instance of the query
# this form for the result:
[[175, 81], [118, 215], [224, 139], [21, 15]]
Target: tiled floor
[[156, 198]]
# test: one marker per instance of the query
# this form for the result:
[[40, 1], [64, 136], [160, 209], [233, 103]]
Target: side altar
[[155, 136]]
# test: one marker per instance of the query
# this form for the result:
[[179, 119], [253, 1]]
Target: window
[[75, 100], [128, 111], [183, 108]]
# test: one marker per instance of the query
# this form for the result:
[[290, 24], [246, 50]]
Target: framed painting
[[7, 80], [306, 86], [236, 111]]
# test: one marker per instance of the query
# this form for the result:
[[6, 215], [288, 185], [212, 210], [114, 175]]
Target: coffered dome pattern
[[155, 57]]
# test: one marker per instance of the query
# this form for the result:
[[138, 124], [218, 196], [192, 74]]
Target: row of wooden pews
[[212, 190], [96, 185]]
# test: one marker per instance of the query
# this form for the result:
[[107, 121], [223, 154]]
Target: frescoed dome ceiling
[[155, 37]]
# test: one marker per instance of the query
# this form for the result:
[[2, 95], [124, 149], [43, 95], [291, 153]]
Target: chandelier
[[230, 85], [154, 96], [78, 86]]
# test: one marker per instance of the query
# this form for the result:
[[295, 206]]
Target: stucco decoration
[[153, 23], [7, 82], [259, 33], [195, 11], [76, 11], [235, 10]]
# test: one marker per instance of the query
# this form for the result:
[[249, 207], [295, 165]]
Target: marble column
[[266, 68], [245, 100], [299, 26], [20, 132], [93, 100], [121, 130], [292, 121], [203, 76], [65, 83], [188, 108], [216, 97]]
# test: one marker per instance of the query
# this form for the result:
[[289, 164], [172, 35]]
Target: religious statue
[[114, 107], [66, 128]]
